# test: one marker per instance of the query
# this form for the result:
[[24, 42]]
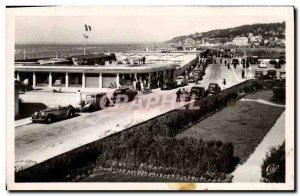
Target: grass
[[244, 125]]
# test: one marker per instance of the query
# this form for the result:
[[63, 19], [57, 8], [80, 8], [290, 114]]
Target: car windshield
[[118, 91], [90, 96], [53, 106]]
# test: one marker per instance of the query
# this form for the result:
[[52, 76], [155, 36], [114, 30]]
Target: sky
[[154, 28]]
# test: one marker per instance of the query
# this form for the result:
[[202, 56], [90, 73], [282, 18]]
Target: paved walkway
[[250, 171]]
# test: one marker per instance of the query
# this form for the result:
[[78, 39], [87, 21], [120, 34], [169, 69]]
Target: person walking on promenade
[[225, 62], [243, 74], [224, 83], [78, 95], [178, 93]]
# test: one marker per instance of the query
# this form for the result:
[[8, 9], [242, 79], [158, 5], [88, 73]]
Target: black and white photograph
[[192, 98]]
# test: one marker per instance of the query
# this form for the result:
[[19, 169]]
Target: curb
[[22, 122]]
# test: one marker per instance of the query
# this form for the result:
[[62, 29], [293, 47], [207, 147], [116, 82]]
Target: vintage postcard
[[183, 98]]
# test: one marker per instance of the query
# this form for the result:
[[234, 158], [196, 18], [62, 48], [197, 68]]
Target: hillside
[[267, 31]]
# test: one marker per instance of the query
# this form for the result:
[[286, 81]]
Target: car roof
[[90, 93], [200, 87]]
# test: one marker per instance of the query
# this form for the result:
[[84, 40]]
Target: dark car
[[258, 74], [272, 74], [265, 77], [213, 88], [273, 62], [254, 60], [196, 92], [53, 113], [191, 79], [279, 63], [123, 94], [235, 62], [282, 75], [94, 101], [169, 85]]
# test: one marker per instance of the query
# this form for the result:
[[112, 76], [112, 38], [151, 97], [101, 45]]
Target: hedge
[[273, 168]]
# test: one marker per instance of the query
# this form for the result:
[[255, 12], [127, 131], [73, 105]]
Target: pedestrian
[[224, 83], [79, 100], [228, 65], [134, 83], [243, 73], [178, 93], [142, 86], [225, 62]]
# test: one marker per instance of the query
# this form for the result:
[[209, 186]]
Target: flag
[[88, 27]]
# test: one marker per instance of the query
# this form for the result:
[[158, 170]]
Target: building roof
[[91, 56]]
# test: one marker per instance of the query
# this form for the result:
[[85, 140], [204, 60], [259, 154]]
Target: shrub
[[273, 168]]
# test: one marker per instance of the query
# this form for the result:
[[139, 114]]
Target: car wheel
[[91, 108], [49, 119], [107, 102]]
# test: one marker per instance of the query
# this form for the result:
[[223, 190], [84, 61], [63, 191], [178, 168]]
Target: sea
[[30, 51]]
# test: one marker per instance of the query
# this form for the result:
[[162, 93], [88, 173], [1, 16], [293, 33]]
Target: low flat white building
[[240, 41]]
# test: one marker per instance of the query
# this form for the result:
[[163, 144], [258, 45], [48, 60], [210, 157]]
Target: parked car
[[181, 81], [191, 79], [262, 65], [282, 75], [169, 85], [254, 60], [272, 74], [124, 93], [258, 73], [235, 62], [53, 112], [265, 77], [94, 101], [213, 88], [196, 92], [273, 62]]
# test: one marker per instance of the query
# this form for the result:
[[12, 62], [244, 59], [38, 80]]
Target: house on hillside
[[240, 41]]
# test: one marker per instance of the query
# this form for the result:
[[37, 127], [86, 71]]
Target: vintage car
[[213, 88], [235, 62], [169, 85], [123, 95], [196, 92], [262, 65], [282, 75], [272, 74], [52, 113], [191, 79], [181, 81], [258, 73], [94, 101], [273, 62]]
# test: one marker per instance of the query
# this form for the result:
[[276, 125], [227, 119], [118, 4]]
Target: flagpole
[[84, 45]]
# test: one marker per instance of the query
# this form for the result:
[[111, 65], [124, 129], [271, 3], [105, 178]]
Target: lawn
[[244, 124]]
